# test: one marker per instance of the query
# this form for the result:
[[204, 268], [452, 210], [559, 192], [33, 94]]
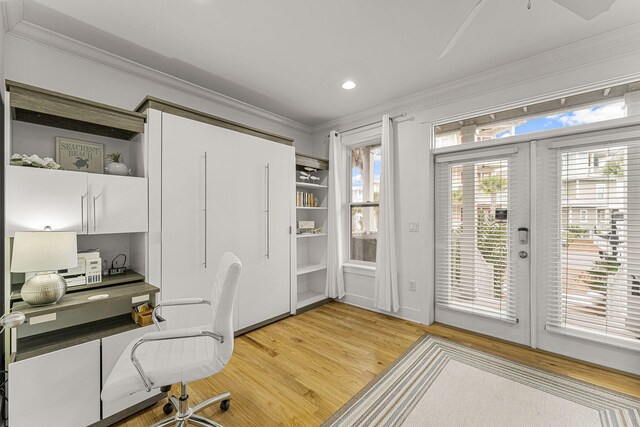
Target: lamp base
[[44, 289]]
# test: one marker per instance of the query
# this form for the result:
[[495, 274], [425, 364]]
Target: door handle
[[205, 209], [268, 210], [95, 226], [82, 212]]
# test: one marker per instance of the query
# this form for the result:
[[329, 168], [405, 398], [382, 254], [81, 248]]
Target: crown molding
[[37, 34], [616, 44]]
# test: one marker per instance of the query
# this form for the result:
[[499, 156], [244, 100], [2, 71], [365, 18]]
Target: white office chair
[[163, 358]]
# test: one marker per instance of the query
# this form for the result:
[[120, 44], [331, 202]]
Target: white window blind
[[589, 216], [474, 271]]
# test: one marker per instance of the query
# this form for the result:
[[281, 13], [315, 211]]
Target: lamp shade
[[35, 251]]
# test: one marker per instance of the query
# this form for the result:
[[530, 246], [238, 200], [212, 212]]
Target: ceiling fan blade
[[463, 27], [587, 9]]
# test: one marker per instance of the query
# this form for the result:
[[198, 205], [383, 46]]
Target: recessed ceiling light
[[349, 84]]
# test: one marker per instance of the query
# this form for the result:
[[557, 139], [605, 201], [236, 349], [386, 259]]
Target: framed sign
[[74, 155]]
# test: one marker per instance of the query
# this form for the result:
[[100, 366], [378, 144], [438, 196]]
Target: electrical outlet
[[412, 285], [414, 227]]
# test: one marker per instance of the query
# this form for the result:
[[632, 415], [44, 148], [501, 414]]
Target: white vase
[[114, 168]]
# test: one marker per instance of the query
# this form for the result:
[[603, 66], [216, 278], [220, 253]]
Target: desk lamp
[[44, 252]]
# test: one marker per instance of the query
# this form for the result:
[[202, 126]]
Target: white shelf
[[303, 235], [309, 297], [309, 185], [312, 207], [310, 268]]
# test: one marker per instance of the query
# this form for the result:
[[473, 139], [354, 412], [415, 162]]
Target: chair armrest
[[162, 336], [175, 302]]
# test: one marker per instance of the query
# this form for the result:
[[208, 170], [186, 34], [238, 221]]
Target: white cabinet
[[117, 204], [74, 201], [49, 390], [36, 198], [225, 191], [112, 348]]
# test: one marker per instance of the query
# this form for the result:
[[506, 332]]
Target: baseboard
[[404, 313], [261, 324], [313, 305]]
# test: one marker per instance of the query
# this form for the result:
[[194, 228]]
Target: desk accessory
[[88, 271], [44, 252]]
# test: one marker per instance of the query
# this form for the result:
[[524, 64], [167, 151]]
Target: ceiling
[[290, 56]]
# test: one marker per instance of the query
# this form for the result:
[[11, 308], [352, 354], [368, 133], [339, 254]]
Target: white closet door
[[240, 185], [40, 197], [183, 220], [117, 204], [265, 292]]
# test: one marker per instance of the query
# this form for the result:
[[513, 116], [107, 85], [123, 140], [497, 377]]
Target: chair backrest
[[223, 300]]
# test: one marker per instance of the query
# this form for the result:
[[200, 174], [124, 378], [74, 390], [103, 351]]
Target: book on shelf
[[306, 200]]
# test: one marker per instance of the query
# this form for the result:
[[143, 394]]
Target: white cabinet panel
[[234, 179], [183, 221], [241, 224], [58, 389], [117, 204], [36, 198], [112, 348]]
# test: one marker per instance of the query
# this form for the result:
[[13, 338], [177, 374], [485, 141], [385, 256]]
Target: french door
[[482, 241], [588, 247], [578, 292]]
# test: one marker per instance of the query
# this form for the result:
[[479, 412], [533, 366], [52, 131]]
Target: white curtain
[[385, 296], [335, 228]]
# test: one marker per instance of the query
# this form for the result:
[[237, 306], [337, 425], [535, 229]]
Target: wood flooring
[[300, 370]]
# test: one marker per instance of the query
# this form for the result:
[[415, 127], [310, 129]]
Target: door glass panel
[[474, 272], [599, 280]]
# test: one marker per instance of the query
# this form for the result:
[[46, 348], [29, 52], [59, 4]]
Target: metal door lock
[[523, 254]]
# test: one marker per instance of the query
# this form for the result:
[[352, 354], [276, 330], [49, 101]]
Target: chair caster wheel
[[225, 404], [167, 408]]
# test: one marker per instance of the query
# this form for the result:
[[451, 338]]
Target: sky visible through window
[[570, 118]]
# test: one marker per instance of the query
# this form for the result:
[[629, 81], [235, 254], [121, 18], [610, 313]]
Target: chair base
[[187, 416]]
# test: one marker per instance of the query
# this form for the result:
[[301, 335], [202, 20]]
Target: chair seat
[[165, 362]]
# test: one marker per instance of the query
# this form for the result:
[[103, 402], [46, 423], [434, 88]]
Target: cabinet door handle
[[82, 212], [205, 208], [95, 226], [267, 210]]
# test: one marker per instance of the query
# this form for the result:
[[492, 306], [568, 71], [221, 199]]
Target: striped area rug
[[441, 383]]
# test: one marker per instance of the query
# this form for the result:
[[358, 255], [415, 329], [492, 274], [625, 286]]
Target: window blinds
[[589, 218], [474, 271]]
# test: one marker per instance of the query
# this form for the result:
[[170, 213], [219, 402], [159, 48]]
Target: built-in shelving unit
[[311, 207], [92, 322]]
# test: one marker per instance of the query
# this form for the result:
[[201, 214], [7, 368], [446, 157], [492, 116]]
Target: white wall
[[585, 65], [2, 52], [65, 66]]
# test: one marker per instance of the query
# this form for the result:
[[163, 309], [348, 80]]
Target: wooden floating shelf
[[48, 108], [81, 299], [311, 207]]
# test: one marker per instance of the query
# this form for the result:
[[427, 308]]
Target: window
[[590, 107], [601, 190], [364, 202]]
